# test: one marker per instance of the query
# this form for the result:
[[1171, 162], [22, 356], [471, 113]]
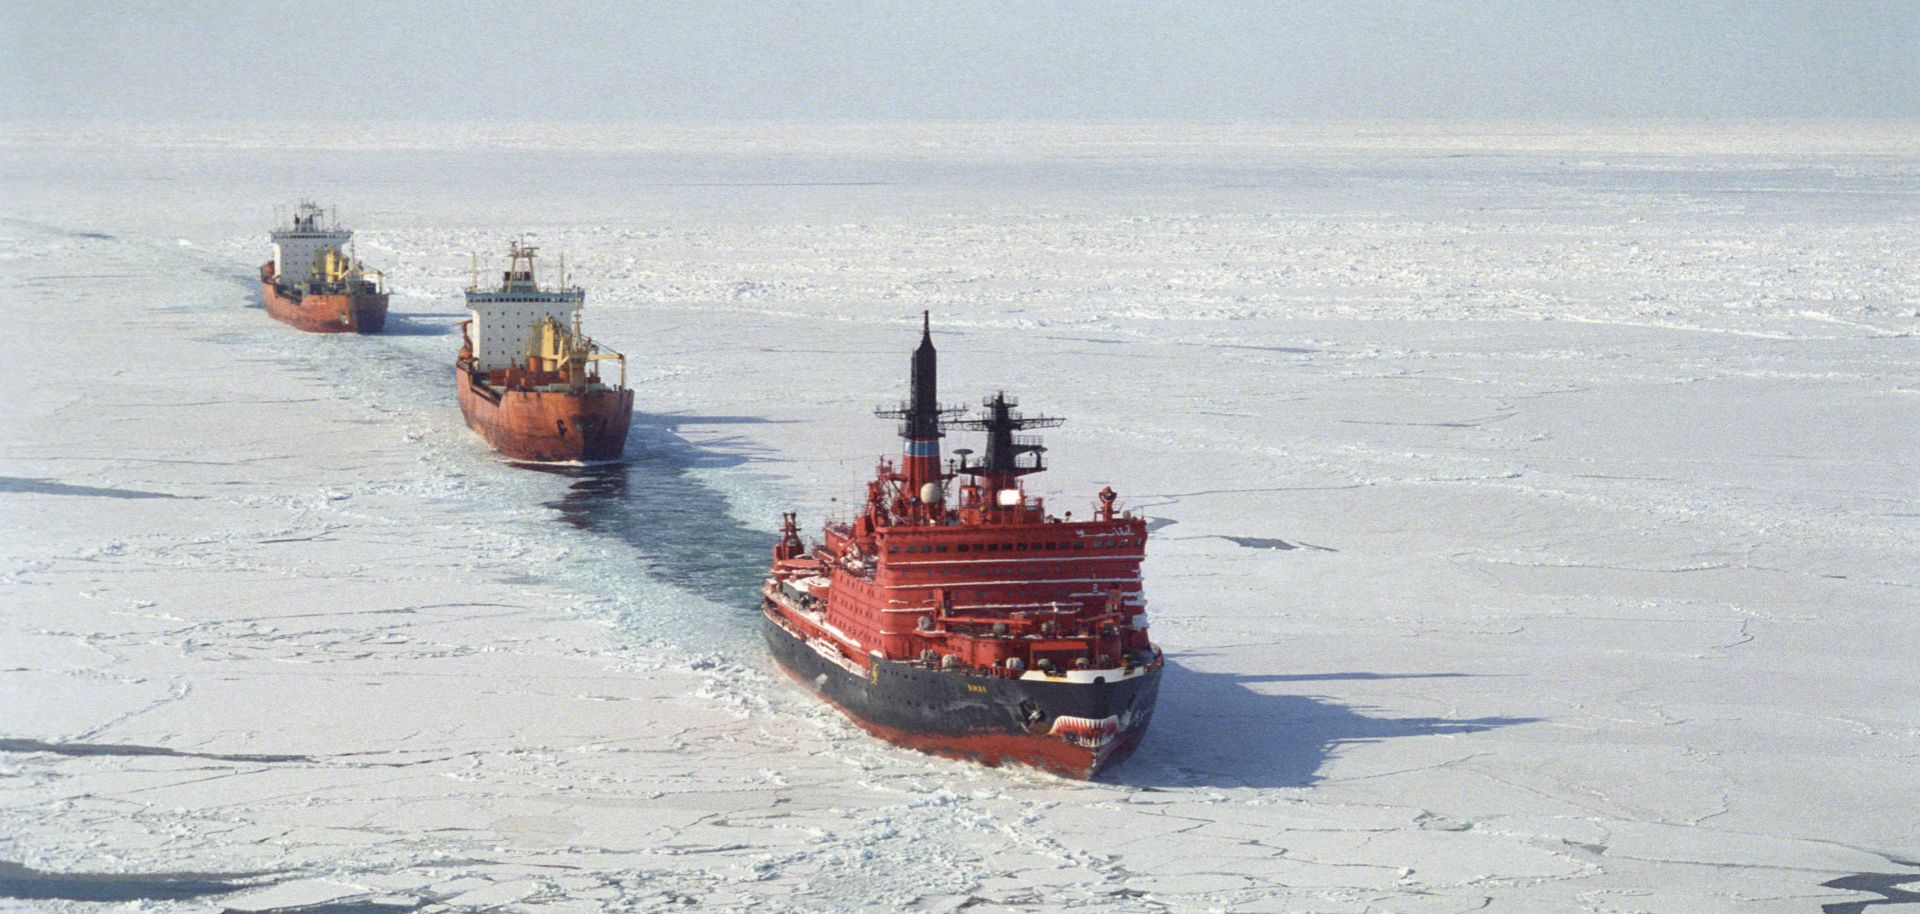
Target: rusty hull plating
[[527, 376], [546, 426], [323, 312], [313, 281]]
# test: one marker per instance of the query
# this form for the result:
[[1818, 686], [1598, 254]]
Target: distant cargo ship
[[315, 284], [529, 379], [983, 628]]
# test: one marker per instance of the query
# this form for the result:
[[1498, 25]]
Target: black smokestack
[[923, 418]]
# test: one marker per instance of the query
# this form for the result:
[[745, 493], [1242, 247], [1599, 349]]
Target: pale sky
[[1580, 59]]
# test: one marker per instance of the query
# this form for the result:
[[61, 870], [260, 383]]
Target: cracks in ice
[[1458, 423], [503, 786], [1172, 497], [1745, 636], [1437, 766], [243, 461], [176, 691], [1684, 569]]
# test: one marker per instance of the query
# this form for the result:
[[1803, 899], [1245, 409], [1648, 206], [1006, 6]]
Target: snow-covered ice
[[1536, 511]]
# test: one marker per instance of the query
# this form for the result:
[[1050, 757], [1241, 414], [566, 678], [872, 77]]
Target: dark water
[[681, 527], [652, 501], [419, 324]]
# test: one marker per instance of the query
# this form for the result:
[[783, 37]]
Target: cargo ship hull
[[1072, 729], [546, 426], [364, 312]]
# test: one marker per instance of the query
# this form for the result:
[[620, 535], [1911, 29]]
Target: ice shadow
[[1256, 542], [1221, 730], [82, 750], [25, 485], [249, 285], [22, 882], [342, 907], [654, 501], [1886, 885], [441, 323]]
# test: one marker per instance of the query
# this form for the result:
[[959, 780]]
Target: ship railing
[[1047, 607], [1030, 509]]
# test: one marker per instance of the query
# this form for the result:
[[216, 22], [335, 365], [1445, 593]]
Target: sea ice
[[1535, 519]]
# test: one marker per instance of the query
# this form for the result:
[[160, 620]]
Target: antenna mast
[[1003, 461]]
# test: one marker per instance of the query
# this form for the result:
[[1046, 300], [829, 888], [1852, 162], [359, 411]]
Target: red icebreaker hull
[[981, 628], [1071, 730]]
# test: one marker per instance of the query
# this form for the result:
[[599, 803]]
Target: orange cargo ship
[[529, 379], [313, 284], [984, 628]]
